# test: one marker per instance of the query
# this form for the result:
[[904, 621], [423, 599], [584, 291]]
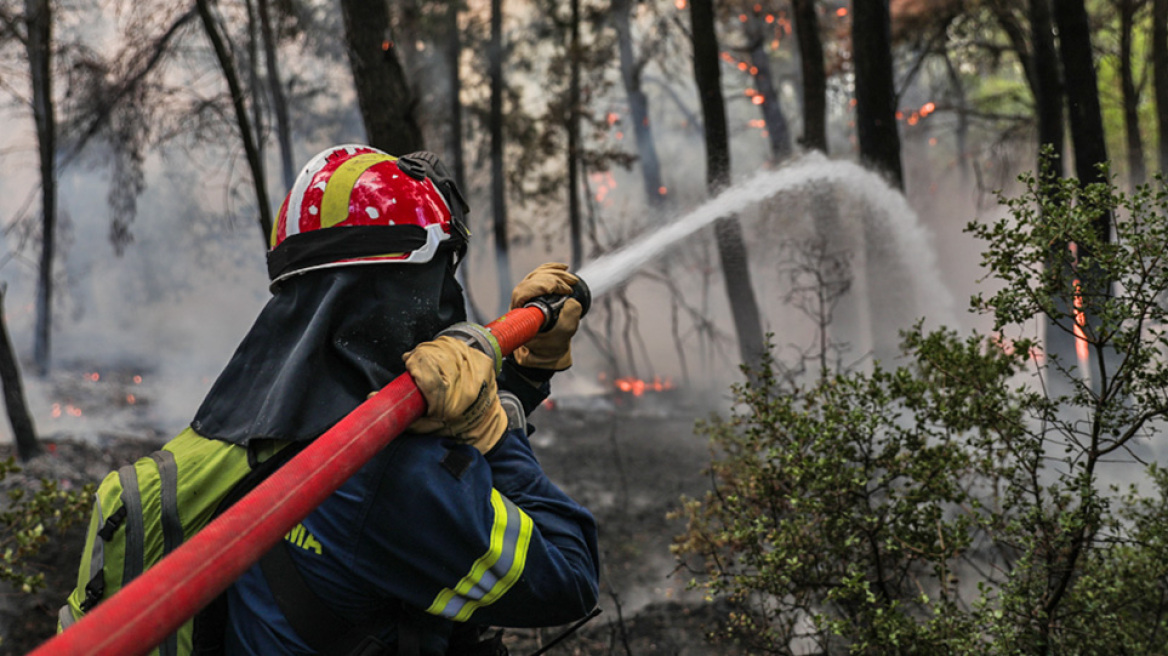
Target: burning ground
[[627, 451]]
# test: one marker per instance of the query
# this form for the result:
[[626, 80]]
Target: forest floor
[[629, 460]]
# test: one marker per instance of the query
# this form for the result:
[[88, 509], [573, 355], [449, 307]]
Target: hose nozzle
[[551, 304]]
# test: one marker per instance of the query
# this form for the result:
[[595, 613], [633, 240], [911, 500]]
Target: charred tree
[[276, 90], [814, 75], [1160, 71], [573, 116], [23, 431], [1137, 171], [728, 230], [1082, 93], [631, 68], [39, 45], [778, 132], [1047, 86], [383, 94], [876, 89], [498, 175], [246, 131]]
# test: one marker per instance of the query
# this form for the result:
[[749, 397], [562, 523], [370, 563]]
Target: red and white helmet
[[354, 204]]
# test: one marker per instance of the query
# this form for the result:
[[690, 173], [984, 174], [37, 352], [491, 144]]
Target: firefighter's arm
[[489, 539]]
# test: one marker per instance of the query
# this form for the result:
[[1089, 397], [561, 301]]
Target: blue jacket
[[443, 528]]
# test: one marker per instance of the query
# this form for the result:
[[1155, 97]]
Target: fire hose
[[151, 607]]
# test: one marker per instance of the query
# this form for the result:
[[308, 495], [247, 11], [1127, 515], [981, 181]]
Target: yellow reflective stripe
[[483, 585], [276, 223], [334, 206]]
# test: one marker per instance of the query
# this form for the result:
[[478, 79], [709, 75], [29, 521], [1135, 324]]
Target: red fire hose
[[154, 605]]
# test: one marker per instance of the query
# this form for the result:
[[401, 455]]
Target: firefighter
[[452, 528]]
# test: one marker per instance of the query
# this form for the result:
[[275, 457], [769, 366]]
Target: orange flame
[[638, 387]]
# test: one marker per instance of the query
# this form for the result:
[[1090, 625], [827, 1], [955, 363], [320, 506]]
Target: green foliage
[[958, 504], [28, 519]]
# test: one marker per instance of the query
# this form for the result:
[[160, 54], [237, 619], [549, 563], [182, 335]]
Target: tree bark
[[1160, 70], [1137, 171], [386, 103], [638, 105], [246, 132], [574, 54], [498, 179], [876, 89], [23, 430], [727, 230], [814, 75], [778, 132], [1082, 96], [279, 100], [39, 22], [1046, 84]]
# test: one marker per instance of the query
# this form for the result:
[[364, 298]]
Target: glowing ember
[[137, 380], [131, 399], [742, 18], [754, 70], [841, 12], [757, 123], [662, 190], [56, 410], [612, 118], [637, 387], [742, 66], [93, 376], [928, 108], [1082, 348], [770, 18], [680, 4], [758, 100]]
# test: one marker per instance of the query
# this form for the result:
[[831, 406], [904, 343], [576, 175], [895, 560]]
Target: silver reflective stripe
[[97, 558], [65, 617], [172, 531], [135, 533]]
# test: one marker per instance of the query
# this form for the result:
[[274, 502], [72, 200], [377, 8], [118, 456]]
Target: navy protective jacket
[[443, 528]]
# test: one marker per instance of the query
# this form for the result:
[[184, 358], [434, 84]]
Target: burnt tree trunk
[[39, 45], [1137, 171], [246, 132], [876, 90], [728, 230], [456, 155], [574, 54], [498, 200], [23, 431], [1047, 86], [386, 103], [1082, 96], [814, 75], [778, 132], [1160, 70], [638, 105], [279, 100]]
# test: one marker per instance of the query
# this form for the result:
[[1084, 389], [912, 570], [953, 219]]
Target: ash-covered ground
[[629, 459]]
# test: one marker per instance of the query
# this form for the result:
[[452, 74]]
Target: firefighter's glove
[[458, 383], [553, 349]]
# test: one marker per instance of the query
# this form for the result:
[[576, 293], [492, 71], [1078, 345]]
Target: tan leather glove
[[553, 349], [462, 398]]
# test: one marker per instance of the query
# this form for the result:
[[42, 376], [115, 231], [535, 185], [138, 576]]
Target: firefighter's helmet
[[354, 204]]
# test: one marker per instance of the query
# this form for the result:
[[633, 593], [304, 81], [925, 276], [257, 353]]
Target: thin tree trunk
[[279, 100], [574, 54], [253, 82], [1047, 85], [498, 199], [39, 21], [961, 134], [778, 132], [638, 106], [1160, 70], [814, 75], [455, 153], [246, 132], [728, 230], [23, 430], [387, 106], [1082, 97], [1137, 171], [876, 89]]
